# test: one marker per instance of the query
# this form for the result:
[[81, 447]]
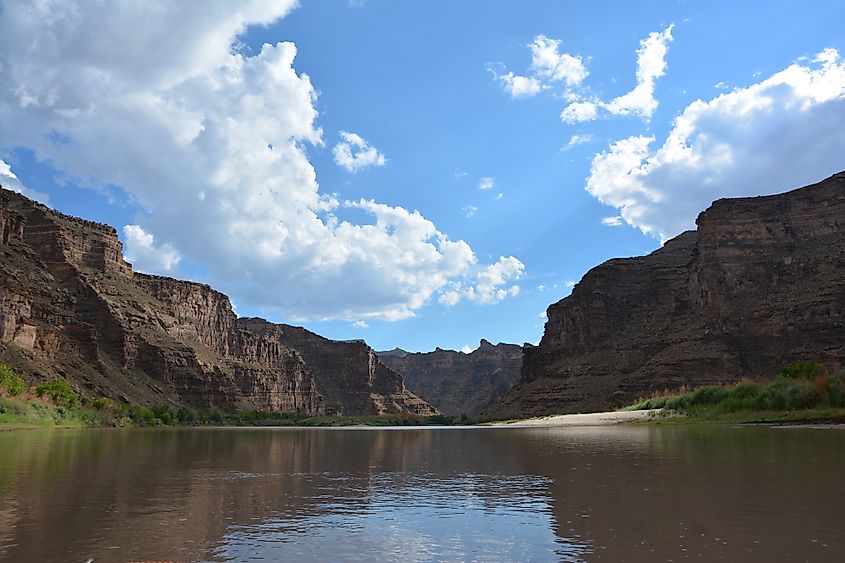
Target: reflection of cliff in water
[[640, 493], [613, 493], [117, 495]]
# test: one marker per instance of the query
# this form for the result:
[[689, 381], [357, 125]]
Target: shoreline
[[812, 419], [553, 421], [582, 419]]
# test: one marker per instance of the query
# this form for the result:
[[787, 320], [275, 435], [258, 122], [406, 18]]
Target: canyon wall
[[760, 283], [458, 383], [71, 307]]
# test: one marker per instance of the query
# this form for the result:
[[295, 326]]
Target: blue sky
[[333, 178]]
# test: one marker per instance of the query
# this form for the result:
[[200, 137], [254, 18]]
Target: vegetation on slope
[[55, 403], [803, 391], [47, 404]]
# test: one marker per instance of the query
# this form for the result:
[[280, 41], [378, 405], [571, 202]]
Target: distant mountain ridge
[[71, 307], [397, 352], [458, 383], [761, 282]]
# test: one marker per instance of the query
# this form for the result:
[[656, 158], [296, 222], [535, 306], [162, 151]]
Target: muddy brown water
[[619, 493]]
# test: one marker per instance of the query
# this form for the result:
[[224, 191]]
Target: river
[[617, 493]]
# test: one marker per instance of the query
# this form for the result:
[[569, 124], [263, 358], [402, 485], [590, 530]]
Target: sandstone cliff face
[[339, 368], [458, 383], [761, 282], [70, 306]]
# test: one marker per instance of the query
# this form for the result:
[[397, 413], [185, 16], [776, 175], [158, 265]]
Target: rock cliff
[[458, 383], [761, 282], [70, 306]]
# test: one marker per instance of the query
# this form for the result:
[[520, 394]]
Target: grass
[[810, 416], [48, 404], [11, 384], [29, 413], [803, 392]]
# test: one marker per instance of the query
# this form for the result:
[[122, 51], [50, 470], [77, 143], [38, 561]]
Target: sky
[[415, 174]]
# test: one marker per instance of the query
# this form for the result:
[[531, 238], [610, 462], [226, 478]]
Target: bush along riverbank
[[56, 404], [47, 404], [803, 392]]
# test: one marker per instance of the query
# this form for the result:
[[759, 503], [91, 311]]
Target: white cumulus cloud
[[640, 101], [548, 62], [486, 183], [354, 153], [783, 132], [548, 65], [144, 254], [491, 280], [578, 112], [451, 297], [211, 141], [491, 285], [651, 65], [521, 86]]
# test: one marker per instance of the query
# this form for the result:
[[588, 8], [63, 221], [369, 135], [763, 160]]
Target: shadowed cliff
[[458, 383], [761, 282]]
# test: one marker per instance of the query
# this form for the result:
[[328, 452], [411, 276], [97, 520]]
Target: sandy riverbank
[[586, 419]]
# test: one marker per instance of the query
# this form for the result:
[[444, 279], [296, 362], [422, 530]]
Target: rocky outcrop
[[761, 282], [71, 307], [339, 368], [458, 383]]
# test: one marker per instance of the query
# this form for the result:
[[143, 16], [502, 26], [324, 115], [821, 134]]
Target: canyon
[[759, 283], [72, 307], [459, 383]]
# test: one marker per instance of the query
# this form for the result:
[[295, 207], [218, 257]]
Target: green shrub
[[123, 408], [801, 386], [709, 395], [12, 383], [164, 414], [802, 370], [678, 402], [836, 392], [202, 416], [247, 418], [746, 390], [438, 420], [655, 403], [185, 415], [59, 391], [100, 403], [146, 415]]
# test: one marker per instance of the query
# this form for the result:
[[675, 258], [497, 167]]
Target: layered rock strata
[[760, 283], [458, 383], [71, 307]]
